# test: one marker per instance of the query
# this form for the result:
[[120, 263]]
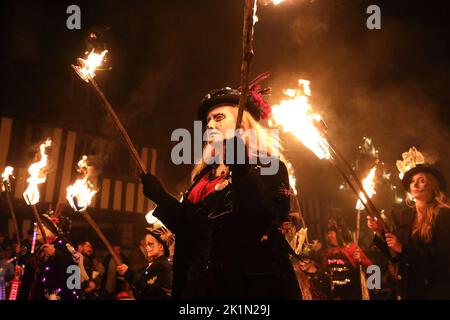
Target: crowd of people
[[230, 234]]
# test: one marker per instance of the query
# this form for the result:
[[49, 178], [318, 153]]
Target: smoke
[[388, 85]]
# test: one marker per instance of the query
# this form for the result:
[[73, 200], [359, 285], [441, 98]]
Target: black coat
[[52, 275], [154, 282], [423, 268], [220, 252]]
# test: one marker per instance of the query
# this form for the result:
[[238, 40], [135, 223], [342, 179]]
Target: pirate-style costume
[[228, 243], [343, 268]]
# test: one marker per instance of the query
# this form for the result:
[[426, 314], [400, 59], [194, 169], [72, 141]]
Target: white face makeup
[[420, 188], [220, 123], [153, 247]]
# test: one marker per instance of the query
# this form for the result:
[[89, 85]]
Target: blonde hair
[[423, 228], [267, 141]]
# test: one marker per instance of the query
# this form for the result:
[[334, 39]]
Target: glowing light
[[38, 175], [295, 115]]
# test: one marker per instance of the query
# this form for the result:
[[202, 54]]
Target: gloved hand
[[154, 190], [239, 151]]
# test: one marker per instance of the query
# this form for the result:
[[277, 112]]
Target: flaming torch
[[38, 175], [369, 186], [295, 115], [79, 196], [86, 70], [247, 54], [6, 178]]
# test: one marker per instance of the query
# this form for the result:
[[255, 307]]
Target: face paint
[[220, 123]]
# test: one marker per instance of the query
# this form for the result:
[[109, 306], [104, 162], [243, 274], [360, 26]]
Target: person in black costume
[[420, 242], [155, 281], [53, 260], [229, 244]]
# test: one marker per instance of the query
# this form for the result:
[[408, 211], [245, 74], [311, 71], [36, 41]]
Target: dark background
[[389, 84]]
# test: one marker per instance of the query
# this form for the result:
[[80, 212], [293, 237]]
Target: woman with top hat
[[420, 242], [229, 245]]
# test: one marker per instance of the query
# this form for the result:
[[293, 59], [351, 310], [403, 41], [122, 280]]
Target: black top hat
[[407, 177], [256, 105]]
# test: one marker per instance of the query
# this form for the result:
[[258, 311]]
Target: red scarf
[[203, 188]]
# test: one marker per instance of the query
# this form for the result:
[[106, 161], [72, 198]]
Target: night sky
[[389, 84]]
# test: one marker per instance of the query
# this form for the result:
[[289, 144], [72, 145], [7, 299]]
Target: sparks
[[369, 187], [38, 175], [296, 116], [82, 190], [86, 67]]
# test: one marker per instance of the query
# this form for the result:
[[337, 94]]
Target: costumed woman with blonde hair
[[420, 242], [229, 245]]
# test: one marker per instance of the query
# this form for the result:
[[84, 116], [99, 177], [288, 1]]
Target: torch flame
[[297, 117], [277, 2], [369, 187], [86, 67], [83, 190], [292, 179], [151, 219], [38, 175], [6, 175]]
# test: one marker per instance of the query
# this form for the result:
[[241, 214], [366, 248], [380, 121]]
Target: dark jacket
[[52, 275], [423, 268], [220, 251], [154, 282]]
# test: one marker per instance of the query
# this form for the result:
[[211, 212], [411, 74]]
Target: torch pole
[[358, 226], [366, 206], [39, 222], [364, 289], [100, 234], [11, 210], [123, 133], [247, 55], [353, 174]]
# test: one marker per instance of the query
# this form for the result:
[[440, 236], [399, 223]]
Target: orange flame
[[369, 187], [151, 219], [292, 179], [38, 175], [6, 175], [297, 117], [83, 190], [86, 67]]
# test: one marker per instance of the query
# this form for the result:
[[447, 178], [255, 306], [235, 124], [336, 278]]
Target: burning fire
[[274, 2], [6, 175], [369, 187], [86, 67], [296, 116], [38, 175], [292, 179], [151, 219], [83, 190]]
